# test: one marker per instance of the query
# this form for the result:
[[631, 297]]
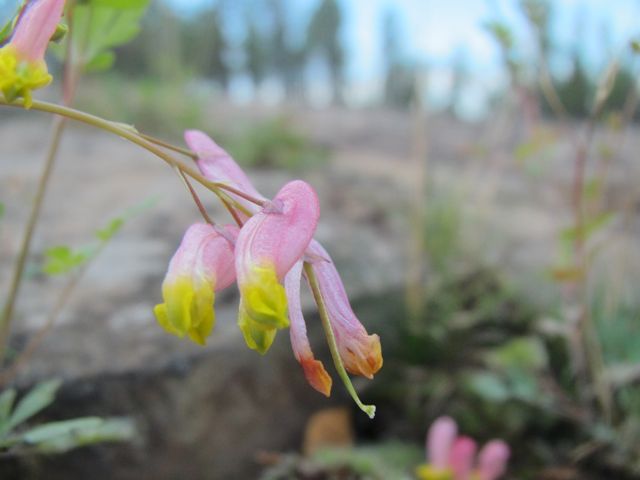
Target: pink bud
[[218, 166], [461, 458], [360, 352], [35, 28], [440, 439], [492, 461]]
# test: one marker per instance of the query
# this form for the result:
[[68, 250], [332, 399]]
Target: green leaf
[[60, 437], [100, 26], [63, 259], [7, 29], [1, 210], [524, 354], [489, 386], [101, 62], [571, 234], [105, 234], [40, 397], [49, 431], [6, 402]]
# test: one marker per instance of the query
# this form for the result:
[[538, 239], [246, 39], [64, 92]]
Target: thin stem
[[25, 246], [10, 372], [34, 342], [169, 146], [195, 197], [133, 137], [231, 210], [238, 192], [370, 410]]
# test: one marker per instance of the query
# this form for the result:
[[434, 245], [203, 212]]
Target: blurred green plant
[[275, 143], [99, 26], [52, 437], [383, 461], [153, 106]]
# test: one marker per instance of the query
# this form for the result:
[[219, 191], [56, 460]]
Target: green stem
[[370, 410], [134, 137], [195, 197], [170, 146], [25, 246]]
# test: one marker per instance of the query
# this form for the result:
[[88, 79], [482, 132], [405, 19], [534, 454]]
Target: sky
[[434, 31]]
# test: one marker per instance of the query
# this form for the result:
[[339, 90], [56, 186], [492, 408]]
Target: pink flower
[[202, 265], [440, 439], [22, 66], [461, 457], [452, 457], [268, 245], [492, 461]]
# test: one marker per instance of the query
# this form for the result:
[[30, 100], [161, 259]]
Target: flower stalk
[[370, 410]]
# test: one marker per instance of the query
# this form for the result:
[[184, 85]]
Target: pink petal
[[268, 245], [278, 236], [205, 253], [461, 458], [35, 28], [218, 166], [440, 439], [492, 461], [314, 370], [360, 352]]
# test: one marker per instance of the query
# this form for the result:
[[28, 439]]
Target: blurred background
[[476, 164]]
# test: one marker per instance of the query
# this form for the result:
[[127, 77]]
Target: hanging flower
[[268, 245], [202, 265], [273, 245], [22, 65]]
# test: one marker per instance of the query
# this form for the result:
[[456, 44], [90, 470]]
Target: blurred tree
[[208, 46], [255, 53], [288, 62], [324, 38], [400, 75], [460, 74]]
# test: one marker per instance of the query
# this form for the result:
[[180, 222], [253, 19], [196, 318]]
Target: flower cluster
[[22, 65], [453, 457], [266, 254]]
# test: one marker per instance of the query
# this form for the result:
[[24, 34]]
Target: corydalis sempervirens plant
[[22, 65], [273, 248]]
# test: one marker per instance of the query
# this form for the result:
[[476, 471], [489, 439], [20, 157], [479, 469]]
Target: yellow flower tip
[[263, 309], [265, 299], [256, 336], [427, 472], [188, 309], [18, 78]]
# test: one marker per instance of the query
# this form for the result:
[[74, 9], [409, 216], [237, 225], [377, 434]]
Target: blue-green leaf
[[40, 397], [6, 403]]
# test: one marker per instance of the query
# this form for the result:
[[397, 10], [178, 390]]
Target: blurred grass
[[165, 109]]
